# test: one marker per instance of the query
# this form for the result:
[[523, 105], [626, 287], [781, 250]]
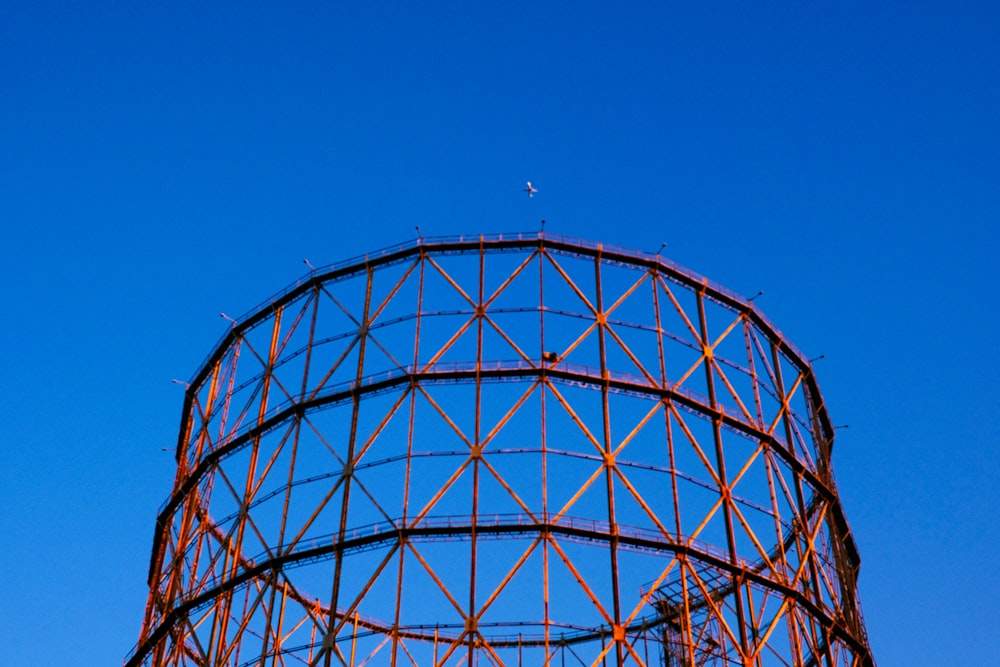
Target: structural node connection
[[504, 450]]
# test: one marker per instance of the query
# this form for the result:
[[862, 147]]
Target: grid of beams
[[504, 450]]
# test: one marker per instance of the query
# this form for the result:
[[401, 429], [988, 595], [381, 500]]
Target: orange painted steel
[[504, 450]]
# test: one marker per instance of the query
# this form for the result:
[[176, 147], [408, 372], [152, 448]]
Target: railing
[[396, 375], [561, 635], [472, 240], [460, 524]]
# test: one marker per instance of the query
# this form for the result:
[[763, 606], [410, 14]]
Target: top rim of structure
[[497, 241]]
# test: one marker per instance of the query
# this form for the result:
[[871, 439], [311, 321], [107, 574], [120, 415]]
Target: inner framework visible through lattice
[[504, 450]]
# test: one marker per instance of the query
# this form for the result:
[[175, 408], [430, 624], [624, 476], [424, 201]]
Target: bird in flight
[[530, 190]]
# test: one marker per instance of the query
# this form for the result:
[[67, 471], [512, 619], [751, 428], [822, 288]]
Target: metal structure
[[504, 450]]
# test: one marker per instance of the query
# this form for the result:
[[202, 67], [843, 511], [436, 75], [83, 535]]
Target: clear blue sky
[[163, 162]]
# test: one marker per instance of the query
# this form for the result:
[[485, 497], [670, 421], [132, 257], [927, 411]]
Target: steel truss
[[504, 450]]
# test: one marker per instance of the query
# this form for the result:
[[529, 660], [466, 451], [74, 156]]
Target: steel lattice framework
[[504, 450]]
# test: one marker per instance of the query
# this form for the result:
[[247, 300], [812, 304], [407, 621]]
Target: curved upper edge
[[510, 240]]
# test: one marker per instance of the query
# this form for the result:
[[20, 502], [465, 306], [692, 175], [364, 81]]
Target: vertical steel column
[[618, 631], [362, 338], [724, 490]]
